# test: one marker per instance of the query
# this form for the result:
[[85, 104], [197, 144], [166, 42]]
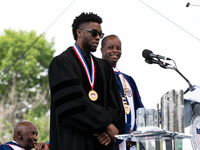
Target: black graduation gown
[[74, 117]]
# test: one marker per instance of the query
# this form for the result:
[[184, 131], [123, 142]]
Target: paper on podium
[[128, 137], [139, 131], [124, 136], [153, 132], [193, 95]]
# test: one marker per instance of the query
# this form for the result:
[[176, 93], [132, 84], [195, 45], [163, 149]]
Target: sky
[[166, 27]]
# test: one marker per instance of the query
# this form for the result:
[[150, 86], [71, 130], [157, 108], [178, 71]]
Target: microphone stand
[[191, 87], [169, 66]]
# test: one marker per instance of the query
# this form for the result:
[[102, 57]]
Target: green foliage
[[28, 70], [2, 53], [6, 130], [24, 88]]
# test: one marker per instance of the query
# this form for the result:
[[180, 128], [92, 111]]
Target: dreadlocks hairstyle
[[84, 18]]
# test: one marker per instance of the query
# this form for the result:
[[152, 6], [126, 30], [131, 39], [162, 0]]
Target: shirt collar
[[116, 70], [14, 142]]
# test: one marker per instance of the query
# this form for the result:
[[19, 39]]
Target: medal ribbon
[[91, 78]]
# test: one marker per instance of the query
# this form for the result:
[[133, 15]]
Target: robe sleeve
[[70, 105], [115, 105]]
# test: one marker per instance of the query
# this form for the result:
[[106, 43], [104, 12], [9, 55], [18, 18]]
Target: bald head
[[20, 126], [25, 134], [103, 42]]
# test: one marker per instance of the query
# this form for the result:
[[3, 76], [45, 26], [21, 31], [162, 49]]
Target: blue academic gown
[[11, 146], [137, 101]]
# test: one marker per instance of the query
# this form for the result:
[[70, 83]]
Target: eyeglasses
[[94, 32]]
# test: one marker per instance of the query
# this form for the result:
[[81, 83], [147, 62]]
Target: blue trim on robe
[[7, 147], [137, 99], [137, 102]]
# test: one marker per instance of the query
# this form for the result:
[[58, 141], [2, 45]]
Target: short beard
[[89, 48]]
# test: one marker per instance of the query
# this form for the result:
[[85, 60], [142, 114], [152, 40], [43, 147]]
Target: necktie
[[88, 61]]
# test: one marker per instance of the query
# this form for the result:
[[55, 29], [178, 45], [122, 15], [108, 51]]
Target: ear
[[19, 135], [79, 33], [102, 50]]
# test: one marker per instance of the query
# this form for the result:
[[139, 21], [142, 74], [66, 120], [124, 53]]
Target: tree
[[2, 54], [25, 86]]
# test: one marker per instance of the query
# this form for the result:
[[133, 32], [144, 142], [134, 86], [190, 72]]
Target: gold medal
[[93, 95]]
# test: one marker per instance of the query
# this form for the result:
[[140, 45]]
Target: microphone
[[149, 55], [153, 61], [188, 4]]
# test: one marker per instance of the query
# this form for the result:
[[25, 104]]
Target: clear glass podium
[[156, 139]]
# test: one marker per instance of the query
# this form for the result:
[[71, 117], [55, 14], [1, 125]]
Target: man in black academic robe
[[77, 122]]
